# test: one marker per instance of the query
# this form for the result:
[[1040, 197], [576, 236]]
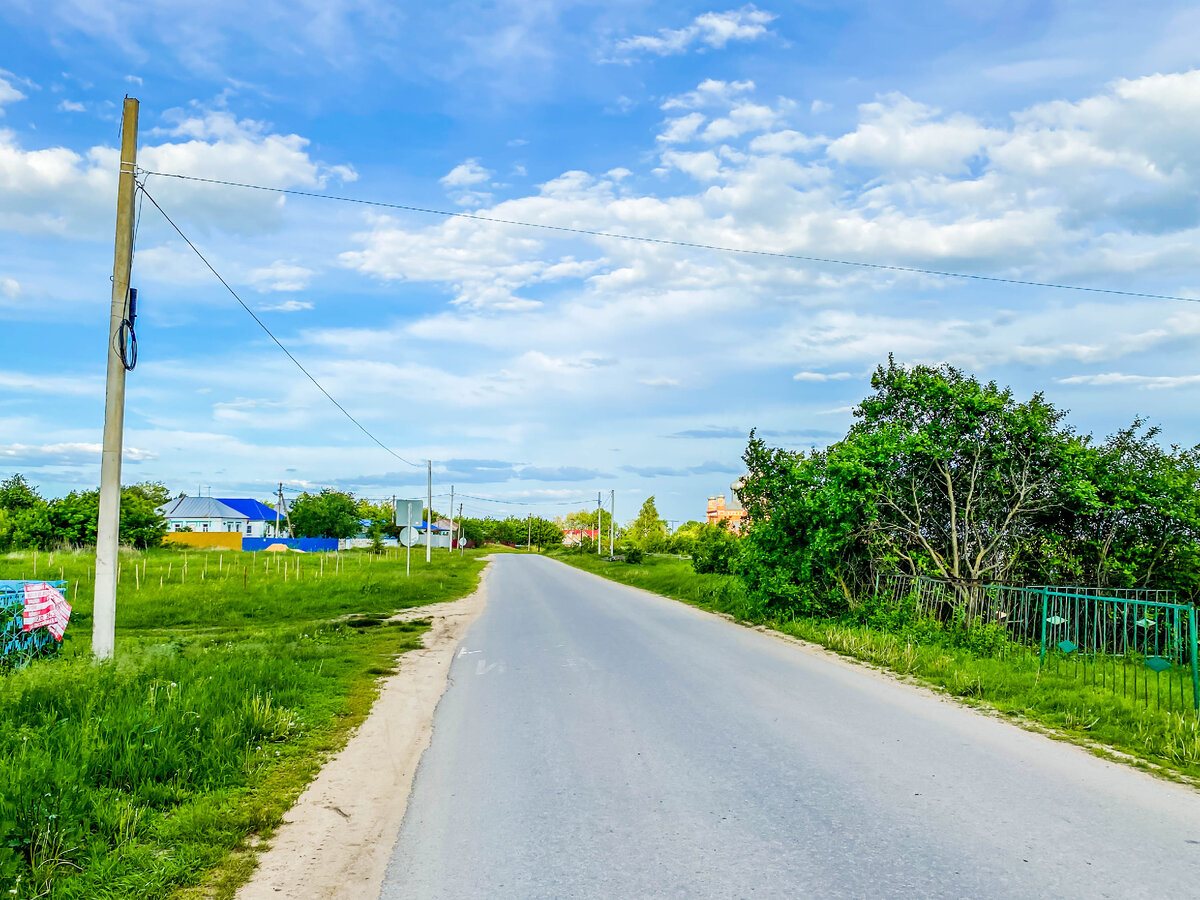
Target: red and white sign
[[45, 607]]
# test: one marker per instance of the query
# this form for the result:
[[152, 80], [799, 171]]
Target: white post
[[599, 523], [451, 518], [429, 517], [409, 542], [612, 522], [108, 530]]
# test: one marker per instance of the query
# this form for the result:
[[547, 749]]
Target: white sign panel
[[410, 512]]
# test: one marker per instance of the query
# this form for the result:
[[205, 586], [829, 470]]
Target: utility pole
[[451, 518], [612, 522], [461, 549], [528, 530], [278, 507], [429, 518], [108, 530], [599, 524]]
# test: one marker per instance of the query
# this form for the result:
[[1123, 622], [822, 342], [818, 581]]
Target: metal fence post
[[1192, 645], [1045, 612]]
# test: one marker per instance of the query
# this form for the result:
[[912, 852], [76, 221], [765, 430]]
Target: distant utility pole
[[612, 522], [278, 507], [429, 518], [599, 524], [108, 529], [451, 518], [528, 530], [461, 549]]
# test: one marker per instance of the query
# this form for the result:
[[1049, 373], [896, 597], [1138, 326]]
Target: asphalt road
[[596, 741]]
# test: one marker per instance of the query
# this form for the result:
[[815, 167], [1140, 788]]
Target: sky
[[1049, 141]]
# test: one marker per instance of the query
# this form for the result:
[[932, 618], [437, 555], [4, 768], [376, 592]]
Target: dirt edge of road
[[337, 838]]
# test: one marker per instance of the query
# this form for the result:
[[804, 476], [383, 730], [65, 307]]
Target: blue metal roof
[[251, 509]]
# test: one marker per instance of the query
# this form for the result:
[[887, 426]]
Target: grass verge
[[1012, 684], [234, 678]]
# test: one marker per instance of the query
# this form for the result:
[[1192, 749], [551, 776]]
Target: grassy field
[[1007, 679], [235, 675]]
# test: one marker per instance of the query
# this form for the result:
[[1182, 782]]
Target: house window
[[204, 526]]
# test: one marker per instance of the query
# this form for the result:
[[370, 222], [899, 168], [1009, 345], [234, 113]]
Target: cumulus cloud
[[821, 376], [56, 190], [71, 106], [710, 30], [10, 288]]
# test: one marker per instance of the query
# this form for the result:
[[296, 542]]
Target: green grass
[[147, 775], [1055, 697]]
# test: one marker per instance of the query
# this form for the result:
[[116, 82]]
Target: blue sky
[[1038, 141]]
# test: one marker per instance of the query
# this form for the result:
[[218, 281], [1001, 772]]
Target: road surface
[[597, 741]]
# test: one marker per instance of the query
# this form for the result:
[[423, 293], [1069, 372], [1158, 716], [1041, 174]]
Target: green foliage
[[648, 530], [329, 514], [714, 550], [944, 475], [28, 521], [545, 533]]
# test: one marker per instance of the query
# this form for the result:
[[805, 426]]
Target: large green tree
[[648, 530], [329, 514]]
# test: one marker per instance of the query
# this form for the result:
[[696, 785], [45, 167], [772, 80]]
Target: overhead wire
[[693, 245], [270, 334]]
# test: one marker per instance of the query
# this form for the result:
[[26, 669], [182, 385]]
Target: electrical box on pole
[[108, 528]]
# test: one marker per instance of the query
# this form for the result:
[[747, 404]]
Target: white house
[[248, 517]]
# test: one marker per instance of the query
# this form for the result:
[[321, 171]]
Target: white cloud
[[466, 174], [10, 288], [288, 306], [281, 276], [710, 92], [820, 106], [821, 376], [63, 385], [66, 454], [681, 129], [1152, 382], [8, 93], [898, 133], [56, 190], [71, 106], [710, 29]]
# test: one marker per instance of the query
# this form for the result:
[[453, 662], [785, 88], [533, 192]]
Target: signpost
[[408, 537]]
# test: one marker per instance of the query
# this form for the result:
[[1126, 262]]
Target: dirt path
[[336, 840]]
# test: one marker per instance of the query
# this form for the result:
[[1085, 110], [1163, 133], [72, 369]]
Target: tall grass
[[982, 669], [137, 777]]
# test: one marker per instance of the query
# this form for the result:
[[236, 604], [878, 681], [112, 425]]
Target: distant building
[[729, 510], [246, 517], [573, 537]]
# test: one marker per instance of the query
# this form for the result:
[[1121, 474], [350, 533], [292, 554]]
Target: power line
[[694, 245], [264, 327]]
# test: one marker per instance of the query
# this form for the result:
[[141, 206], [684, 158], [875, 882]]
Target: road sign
[[409, 537], [410, 512]]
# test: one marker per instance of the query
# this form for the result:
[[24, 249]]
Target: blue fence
[[308, 545]]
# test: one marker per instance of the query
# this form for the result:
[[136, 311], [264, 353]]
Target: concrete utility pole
[[451, 518], [429, 518], [528, 530], [461, 543], [278, 507], [599, 524], [108, 529], [612, 522]]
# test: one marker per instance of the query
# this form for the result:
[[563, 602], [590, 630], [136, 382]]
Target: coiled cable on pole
[[127, 347]]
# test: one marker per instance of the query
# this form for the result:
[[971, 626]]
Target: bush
[[715, 550], [633, 554]]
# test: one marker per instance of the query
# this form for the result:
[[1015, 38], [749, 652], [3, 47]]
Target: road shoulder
[[337, 839]]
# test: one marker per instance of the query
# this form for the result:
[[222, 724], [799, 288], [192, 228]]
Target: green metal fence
[[1136, 642], [1140, 648]]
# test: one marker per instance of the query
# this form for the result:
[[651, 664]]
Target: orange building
[[728, 511]]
